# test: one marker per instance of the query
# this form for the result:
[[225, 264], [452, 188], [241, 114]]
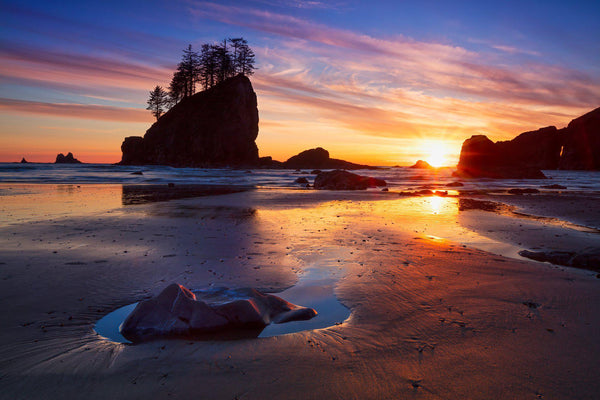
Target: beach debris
[[344, 180], [177, 312]]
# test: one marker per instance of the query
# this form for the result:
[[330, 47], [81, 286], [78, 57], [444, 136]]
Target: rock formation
[[68, 159], [421, 165], [319, 158], [214, 128], [23, 161], [176, 312], [344, 180], [588, 258], [581, 143], [575, 147], [482, 158]]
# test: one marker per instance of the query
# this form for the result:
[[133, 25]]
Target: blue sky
[[378, 82]]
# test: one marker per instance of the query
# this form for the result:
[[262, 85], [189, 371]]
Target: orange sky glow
[[367, 96]]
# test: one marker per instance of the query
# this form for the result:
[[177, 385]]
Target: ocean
[[398, 178]]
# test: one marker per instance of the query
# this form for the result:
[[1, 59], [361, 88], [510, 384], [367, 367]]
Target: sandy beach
[[440, 304]]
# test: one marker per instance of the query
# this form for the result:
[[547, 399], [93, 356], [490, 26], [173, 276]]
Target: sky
[[377, 82]]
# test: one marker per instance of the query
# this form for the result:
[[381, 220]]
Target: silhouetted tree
[[245, 59], [176, 88], [224, 62], [242, 57], [157, 102], [214, 64], [208, 66], [189, 69]]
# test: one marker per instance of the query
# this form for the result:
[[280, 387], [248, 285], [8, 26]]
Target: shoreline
[[429, 317]]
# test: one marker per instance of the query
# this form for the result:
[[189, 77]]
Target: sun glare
[[437, 153]]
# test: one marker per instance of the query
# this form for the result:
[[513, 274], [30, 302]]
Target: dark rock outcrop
[[482, 158], [588, 258], [344, 180], [68, 159], [319, 159], [421, 165], [214, 128], [23, 161], [301, 180], [553, 186], [176, 312], [455, 184], [581, 143], [575, 147], [520, 191]]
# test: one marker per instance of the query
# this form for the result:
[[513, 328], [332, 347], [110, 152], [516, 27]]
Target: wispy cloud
[[399, 87], [81, 111]]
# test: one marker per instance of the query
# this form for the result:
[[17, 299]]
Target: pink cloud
[[83, 111]]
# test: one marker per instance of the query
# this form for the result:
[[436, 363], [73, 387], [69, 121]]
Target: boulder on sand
[[176, 312], [344, 180]]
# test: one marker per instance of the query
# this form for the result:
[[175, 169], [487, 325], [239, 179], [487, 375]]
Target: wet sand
[[430, 317]]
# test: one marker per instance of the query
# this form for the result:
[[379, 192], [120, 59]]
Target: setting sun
[[437, 153]]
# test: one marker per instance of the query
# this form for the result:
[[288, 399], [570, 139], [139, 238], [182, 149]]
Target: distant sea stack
[[23, 161], [68, 159], [421, 165], [319, 158], [214, 128], [575, 147]]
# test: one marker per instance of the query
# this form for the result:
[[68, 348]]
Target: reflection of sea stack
[[214, 128], [68, 159]]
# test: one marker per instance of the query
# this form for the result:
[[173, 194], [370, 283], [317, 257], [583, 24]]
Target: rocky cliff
[[214, 128], [575, 147], [581, 143]]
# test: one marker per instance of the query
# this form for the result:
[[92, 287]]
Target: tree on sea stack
[[157, 102]]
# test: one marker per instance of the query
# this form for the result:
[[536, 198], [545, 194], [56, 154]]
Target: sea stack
[[420, 164], [581, 143], [214, 128], [576, 147], [319, 158], [68, 159]]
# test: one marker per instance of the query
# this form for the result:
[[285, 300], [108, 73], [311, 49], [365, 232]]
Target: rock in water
[[421, 165], [319, 158], [23, 161], [588, 258], [344, 180], [177, 312], [482, 158], [576, 147], [214, 128], [68, 159]]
